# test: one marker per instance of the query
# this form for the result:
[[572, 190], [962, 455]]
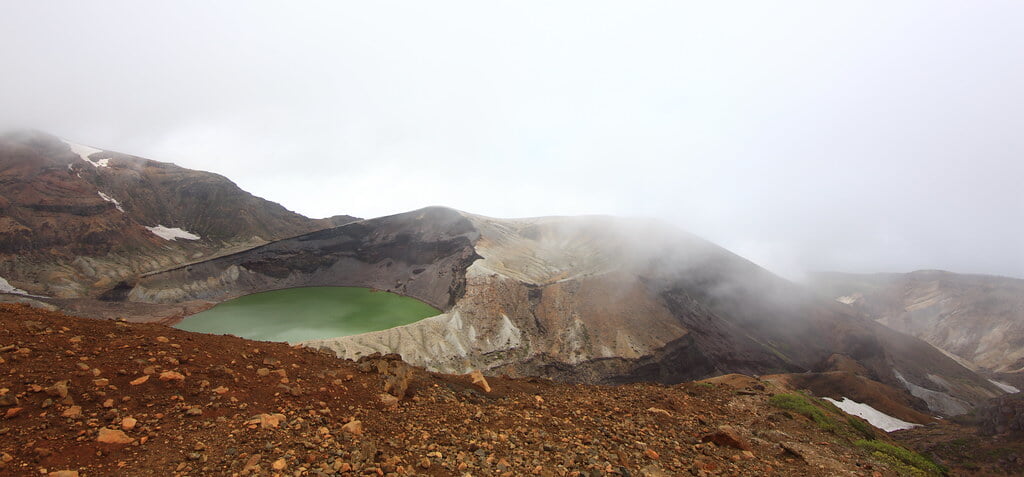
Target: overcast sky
[[867, 136]]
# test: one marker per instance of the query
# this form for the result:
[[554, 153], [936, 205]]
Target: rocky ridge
[[977, 319], [586, 299], [75, 220]]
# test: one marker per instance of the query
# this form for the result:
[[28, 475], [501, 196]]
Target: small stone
[[278, 464], [220, 390], [728, 436], [425, 463], [82, 366], [63, 473], [113, 436], [388, 400], [651, 454], [12, 412], [194, 411], [59, 389], [162, 339], [109, 403], [171, 376], [252, 464], [7, 400], [73, 412], [479, 380], [267, 421], [128, 423], [100, 382], [140, 380], [263, 372], [353, 427]]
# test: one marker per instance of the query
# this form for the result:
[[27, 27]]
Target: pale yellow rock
[[479, 380]]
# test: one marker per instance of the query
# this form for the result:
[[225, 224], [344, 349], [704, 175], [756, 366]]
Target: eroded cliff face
[[591, 299], [977, 319], [75, 220]]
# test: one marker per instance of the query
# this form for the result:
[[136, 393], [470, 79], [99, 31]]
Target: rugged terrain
[[75, 220], [976, 318], [586, 299], [100, 397]]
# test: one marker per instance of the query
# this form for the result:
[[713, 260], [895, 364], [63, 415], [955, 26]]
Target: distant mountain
[[978, 319], [74, 220], [592, 299]]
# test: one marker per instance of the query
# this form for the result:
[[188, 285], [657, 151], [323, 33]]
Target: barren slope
[[191, 404]]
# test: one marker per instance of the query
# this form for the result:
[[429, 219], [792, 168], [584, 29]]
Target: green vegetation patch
[[906, 462], [803, 405]]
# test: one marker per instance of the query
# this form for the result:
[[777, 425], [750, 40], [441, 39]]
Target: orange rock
[[479, 380], [12, 412], [74, 412], [171, 376], [113, 436], [140, 380], [220, 390], [63, 473], [128, 423], [278, 464], [267, 421], [651, 454]]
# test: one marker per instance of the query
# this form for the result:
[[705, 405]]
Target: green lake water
[[298, 314]]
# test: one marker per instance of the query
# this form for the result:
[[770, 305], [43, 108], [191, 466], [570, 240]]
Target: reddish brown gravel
[[101, 397]]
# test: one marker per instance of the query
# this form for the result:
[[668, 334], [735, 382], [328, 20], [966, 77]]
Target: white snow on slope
[[8, 288], [1004, 386], [877, 418], [85, 151], [168, 233], [111, 200], [847, 300]]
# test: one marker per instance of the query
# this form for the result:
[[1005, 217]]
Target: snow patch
[[112, 201], [8, 288], [1004, 386], [85, 151], [169, 233], [877, 418], [936, 400], [847, 300]]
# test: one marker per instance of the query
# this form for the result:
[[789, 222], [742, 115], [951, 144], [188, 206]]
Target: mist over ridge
[[802, 137]]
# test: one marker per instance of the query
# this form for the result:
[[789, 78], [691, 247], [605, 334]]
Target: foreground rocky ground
[[116, 398]]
